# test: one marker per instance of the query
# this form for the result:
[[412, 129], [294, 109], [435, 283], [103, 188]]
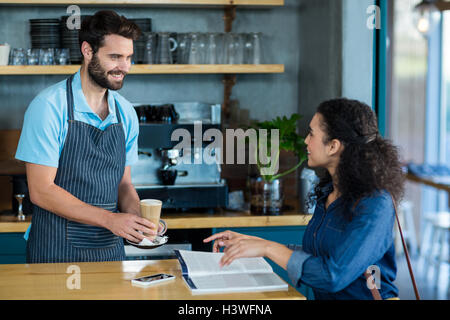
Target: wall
[[324, 45], [320, 60], [336, 58], [265, 96], [357, 51]]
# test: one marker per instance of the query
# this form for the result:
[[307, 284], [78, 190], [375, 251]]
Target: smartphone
[[153, 279]]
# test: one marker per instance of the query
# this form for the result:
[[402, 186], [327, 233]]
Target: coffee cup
[[4, 54], [151, 210]]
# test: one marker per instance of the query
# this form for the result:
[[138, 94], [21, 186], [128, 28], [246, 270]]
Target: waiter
[[78, 140]]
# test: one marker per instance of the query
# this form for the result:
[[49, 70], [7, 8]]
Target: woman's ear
[[335, 147]]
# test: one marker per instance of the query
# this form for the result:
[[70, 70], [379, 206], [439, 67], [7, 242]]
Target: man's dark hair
[[105, 22]]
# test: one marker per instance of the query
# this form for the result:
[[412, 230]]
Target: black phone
[[152, 279]]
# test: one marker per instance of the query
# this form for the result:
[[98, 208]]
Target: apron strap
[[119, 120], [69, 96]]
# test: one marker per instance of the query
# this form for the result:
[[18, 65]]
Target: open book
[[202, 274]]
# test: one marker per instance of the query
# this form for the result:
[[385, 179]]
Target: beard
[[100, 75]]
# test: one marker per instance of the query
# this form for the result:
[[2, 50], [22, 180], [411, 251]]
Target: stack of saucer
[[45, 33], [69, 39]]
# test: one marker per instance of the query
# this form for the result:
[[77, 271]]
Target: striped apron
[[91, 167]]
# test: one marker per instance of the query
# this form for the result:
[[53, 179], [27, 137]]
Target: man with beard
[[78, 140]]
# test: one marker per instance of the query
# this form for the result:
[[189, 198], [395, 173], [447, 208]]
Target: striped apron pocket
[[86, 236]]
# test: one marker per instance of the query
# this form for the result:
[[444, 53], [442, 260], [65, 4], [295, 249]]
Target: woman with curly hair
[[352, 226]]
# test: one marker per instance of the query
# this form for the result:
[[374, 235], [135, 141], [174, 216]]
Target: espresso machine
[[172, 165]]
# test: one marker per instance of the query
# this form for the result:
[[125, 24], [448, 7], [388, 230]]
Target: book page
[[223, 283], [203, 263]]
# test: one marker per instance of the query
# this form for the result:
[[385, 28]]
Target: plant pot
[[266, 198]]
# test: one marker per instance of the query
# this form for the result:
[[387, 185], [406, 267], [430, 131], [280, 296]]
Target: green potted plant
[[266, 189]]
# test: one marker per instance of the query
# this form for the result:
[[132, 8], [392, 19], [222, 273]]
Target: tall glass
[[229, 49], [211, 49], [220, 48], [150, 46], [253, 48], [202, 37], [183, 48], [239, 42], [194, 50]]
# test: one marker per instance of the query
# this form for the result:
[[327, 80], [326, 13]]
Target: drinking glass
[[229, 49], [202, 47], [150, 45], [194, 52], [46, 57], [32, 57], [18, 57], [239, 48], [62, 56], [211, 48], [253, 48], [220, 47], [183, 48]]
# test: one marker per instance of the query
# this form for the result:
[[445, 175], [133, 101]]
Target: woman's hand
[[220, 237], [237, 246], [243, 248]]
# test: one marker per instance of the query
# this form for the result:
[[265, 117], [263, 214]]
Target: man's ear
[[335, 147], [87, 51]]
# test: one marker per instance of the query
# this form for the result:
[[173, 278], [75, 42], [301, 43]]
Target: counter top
[[109, 281], [192, 220]]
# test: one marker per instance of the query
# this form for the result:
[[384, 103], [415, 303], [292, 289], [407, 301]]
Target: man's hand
[[128, 225]]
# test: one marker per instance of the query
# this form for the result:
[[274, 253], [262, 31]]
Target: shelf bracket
[[229, 81], [229, 16]]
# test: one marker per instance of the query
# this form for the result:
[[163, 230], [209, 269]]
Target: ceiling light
[[426, 16]]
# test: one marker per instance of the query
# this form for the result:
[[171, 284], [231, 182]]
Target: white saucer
[[157, 242]]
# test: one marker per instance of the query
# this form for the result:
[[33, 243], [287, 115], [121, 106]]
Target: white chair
[[435, 245], [406, 218]]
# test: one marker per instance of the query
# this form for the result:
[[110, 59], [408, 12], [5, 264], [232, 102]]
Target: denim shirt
[[336, 252]]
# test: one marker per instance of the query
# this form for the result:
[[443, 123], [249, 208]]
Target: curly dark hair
[[368, 162]]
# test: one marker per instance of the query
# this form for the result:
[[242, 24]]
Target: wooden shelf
[[151, 69], [442, 5], [252, 3]]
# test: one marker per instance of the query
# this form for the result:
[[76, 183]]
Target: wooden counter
[[221, 219], [108, 281]]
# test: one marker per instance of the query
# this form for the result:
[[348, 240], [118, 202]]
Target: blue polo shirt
[[45, 123], [336, 253]]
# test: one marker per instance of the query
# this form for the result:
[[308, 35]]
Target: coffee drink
[[151, 210]]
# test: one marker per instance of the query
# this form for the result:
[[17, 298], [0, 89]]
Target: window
[[444, 126]]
